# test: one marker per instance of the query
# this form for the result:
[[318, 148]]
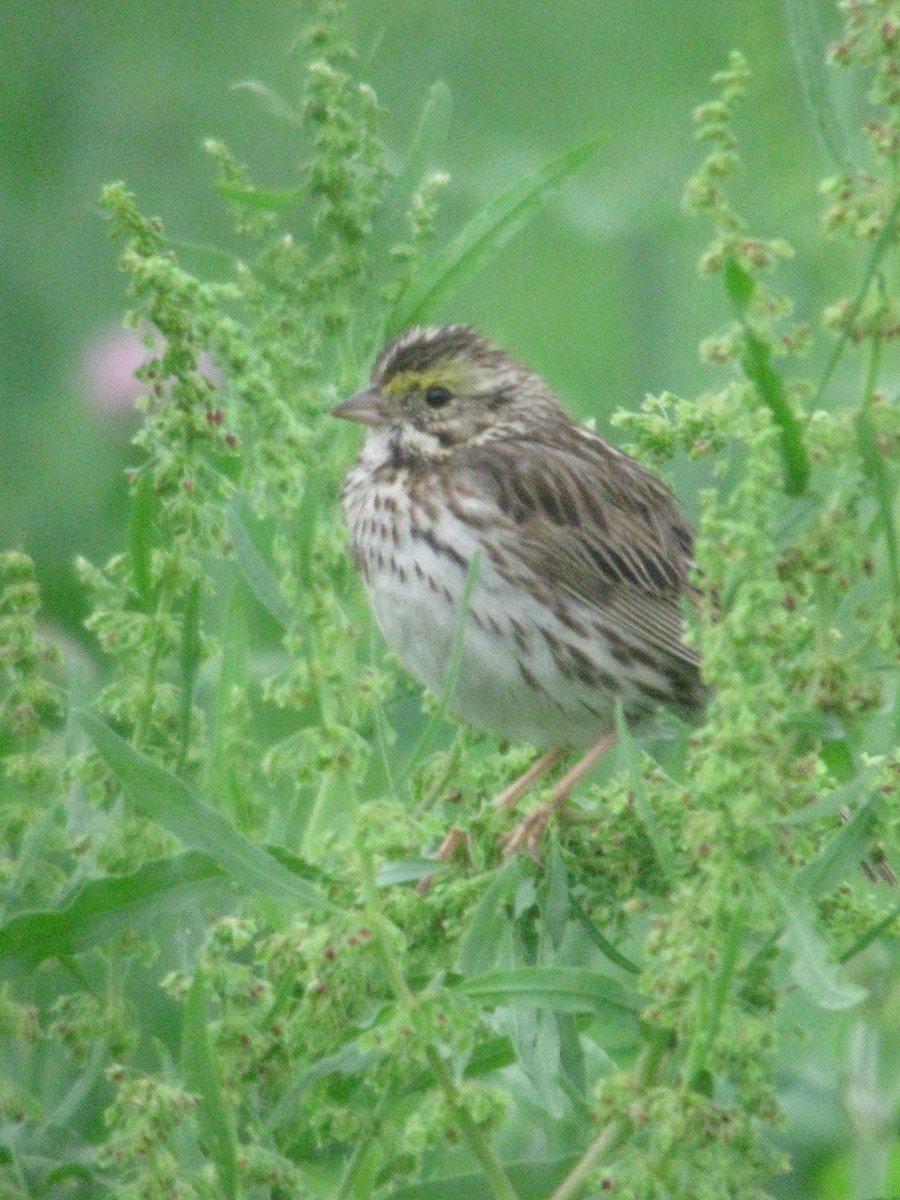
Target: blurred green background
[[600, 293]]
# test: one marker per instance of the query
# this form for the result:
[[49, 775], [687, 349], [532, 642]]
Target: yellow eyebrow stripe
[[452, 375]]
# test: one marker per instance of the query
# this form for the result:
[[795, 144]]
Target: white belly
[[454, 623]]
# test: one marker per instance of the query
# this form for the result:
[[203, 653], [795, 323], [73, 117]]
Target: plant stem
[[361, 1150], [715, 996], [614, 1133], [498, 1180]]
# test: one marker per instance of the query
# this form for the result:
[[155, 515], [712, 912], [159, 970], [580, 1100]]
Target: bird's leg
[[536, 771], [588, 760], [457, 843], [528, 832], [456, 839]]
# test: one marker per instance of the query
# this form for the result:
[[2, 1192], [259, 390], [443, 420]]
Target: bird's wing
[[581, 515]]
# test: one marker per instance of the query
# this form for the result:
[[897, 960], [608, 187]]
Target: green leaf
[[221, 777], [305, 528], [871, 934], [256, 572], [713, 996], [832, 803], [839, 857], [535, 1180], [883, 244], [272, 102], [345, 1063], [602, 942], [555, 899], [163, 797], [189, 663], [409, 870], [876, 469], [104, 908], [563, 989], [757, 366], [808, 45], [202, 1078], [820, 979], [268, 199], [489, 925], [740, 286], [500, 219], [656, 832], [432, 130], [428, 141]]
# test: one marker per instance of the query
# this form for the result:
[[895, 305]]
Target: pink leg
[[536, 771], [585, 763], [527, 833]]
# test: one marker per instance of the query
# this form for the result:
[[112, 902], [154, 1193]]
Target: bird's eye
[[437, 396]]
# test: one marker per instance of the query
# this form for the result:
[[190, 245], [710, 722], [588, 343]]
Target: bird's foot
[[527, 834]]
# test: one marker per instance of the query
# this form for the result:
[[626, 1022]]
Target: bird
[[520, 566]]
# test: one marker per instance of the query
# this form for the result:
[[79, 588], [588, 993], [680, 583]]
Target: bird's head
[[441, 388]]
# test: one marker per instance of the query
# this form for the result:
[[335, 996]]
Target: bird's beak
[[365, 406]]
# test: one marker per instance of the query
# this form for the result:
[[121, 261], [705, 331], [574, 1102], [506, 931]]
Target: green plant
[[232, 968]]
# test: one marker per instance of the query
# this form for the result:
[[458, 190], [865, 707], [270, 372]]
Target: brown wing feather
[[593, 520]]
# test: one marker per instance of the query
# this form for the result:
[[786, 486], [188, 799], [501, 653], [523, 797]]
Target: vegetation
[[232, 968]]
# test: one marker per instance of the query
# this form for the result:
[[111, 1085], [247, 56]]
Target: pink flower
[[108, 367]]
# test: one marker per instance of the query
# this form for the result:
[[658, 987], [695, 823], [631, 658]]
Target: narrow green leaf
[[836, 754], [555, 899], [871, 934], [808, 45], [563, 989], [213, 263], [163, 797], [876, 468], [268, 199], [202, 1078], [820, 979], [31, 852], [498, 221], [883, 244], [714, 996], [305, 527], [189, 663], [220, 777], [757, 366], [64, 1173], [92, 1073], [740, 286], [831, 803], [103, 908], [658, 835], [534, 1180], [490, 923], [272, 101], [841, 855], [144, 504], [431, 131], [409, 870], [602, 942], [347, 1062], [427, 143], [255, 570]]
